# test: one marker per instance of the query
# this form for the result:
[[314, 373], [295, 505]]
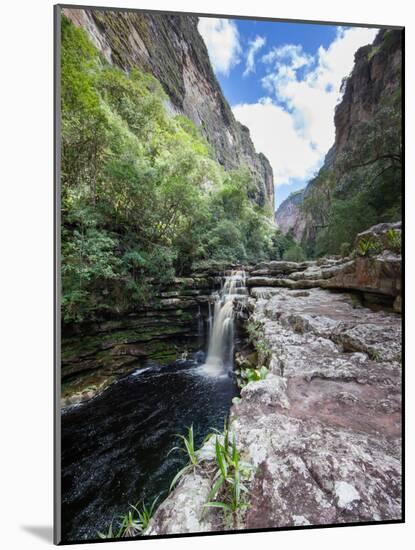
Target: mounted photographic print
[[228, 274]]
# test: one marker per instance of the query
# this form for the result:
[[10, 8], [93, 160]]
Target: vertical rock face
[[376, 75], [171, 48], [289, 216]]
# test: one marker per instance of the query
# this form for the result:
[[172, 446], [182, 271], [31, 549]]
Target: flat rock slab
[[323, 430], [325, 437]]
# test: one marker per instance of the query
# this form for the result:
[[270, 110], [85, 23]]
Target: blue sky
[[283, 81]]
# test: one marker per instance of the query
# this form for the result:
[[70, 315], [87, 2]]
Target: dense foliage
[[143, 199], [364, 185]]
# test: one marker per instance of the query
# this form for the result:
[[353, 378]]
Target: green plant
[[374, 50], [365, 247], [189, 449], [133, 523], [130, 525], [256, 337], [394, 240], [254, 375], [110, 533], [228, 488], [145, 513], [294, 254]]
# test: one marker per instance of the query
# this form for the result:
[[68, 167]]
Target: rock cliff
[[322, 431], [290, 218], [371, 96], [171, 48], [97, 354]]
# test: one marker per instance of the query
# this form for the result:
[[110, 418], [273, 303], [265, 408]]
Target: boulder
[[380, 235]]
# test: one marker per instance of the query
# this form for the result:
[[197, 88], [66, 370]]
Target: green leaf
[[180, 474], [216, 487]]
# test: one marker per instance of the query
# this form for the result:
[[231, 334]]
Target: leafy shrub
[[365, 247], [189, 449], [142, 197], [229, 479], [394, 240], [131, 524], [254, 375]]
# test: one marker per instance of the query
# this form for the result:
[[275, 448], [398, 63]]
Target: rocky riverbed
[[323, 430]]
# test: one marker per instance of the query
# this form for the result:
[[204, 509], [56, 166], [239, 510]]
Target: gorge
[[223, 371]]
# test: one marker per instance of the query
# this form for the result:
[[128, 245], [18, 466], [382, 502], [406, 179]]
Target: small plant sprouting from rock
[[394, 240], [133, 523], [228, 489], [257, 370], [256, 336], [189, 449], [366, 247], [376, 355], [254, 375]]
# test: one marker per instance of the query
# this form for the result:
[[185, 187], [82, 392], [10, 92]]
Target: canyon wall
[[171, 48], [371, 98]]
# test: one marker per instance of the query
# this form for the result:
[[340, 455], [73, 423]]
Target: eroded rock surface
[[379, 273], [326, 438], [323, 429], [97, 354]]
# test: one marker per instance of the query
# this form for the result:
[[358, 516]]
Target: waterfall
[[221, 334]]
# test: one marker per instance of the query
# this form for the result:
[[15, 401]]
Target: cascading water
[[221, 327]]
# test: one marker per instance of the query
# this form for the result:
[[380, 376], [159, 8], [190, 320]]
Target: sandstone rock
[[379, 233], [326, 440], [183, 513], [323, 429], [278, 267], [380, 274]]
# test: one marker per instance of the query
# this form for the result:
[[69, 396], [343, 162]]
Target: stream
[[115, 448]]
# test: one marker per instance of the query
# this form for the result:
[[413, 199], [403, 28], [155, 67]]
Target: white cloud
[[274, 134], [292, 54], [294, 127], [254, 46], [222, 41]]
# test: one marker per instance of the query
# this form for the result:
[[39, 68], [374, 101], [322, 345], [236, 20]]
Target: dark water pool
[[114, 448]]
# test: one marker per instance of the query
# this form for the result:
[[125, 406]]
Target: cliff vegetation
[[360, 183], [143, 197]]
